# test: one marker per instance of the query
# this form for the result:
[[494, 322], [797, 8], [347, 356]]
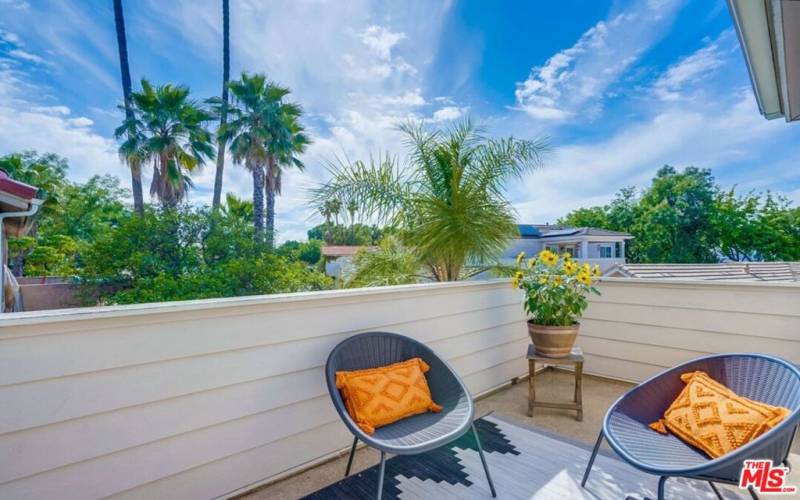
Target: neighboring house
[[585, 244], [728, 271], [338, 258]]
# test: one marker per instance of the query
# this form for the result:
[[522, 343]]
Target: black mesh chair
[[755, 376], [416, 434]]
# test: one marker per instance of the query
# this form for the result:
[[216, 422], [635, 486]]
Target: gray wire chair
[[412, 435], [758, 377]]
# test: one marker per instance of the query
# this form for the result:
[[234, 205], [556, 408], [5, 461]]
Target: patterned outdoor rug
[[526, 463]]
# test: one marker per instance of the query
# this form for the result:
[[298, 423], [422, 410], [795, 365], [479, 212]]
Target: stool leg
[[591, 459], [579, 389], [531, 386]]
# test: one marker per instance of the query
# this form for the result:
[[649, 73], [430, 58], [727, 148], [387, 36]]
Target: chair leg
[[483, 461], [661, 481], [591, 459], [350, 460], [752, 492], [714, 487], [380, 476]]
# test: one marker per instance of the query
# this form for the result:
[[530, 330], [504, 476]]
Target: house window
[[605, 252]]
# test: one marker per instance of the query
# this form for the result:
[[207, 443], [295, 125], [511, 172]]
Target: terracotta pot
[[553, 341]]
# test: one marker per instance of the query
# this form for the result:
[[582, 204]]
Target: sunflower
[[558, 280], [543, 280], [548, 258], [520, 256], [566, 256], [596, 270], [585, 278], [531, 262], [570, 267], [517, 279]]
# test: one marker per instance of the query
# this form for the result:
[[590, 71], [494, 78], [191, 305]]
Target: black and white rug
[[526, 463]]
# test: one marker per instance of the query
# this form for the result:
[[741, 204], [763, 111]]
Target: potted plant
[[555, 298]]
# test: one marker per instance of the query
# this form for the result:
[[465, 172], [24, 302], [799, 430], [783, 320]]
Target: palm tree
[[448, 204], [264, 136], [288, 141], [122, 44], [352, 208], [238, 208], [167, 128], [226, 73]]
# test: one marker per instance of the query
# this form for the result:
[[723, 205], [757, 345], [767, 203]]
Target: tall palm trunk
[[258, 197], [271, 189], [226, 73], [136, 172]]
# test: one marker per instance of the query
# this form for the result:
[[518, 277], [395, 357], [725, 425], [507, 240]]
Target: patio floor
[[598, 395]]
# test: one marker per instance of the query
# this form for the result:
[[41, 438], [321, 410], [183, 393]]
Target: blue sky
[[620, 88]]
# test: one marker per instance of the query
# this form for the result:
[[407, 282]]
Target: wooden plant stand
[[575, 358]]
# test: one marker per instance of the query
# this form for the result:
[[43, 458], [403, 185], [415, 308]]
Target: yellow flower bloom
[[517, 279], [520, 256], [566, 256], [557, 281], [531, 262], [586, 268], [596, 270], [585, 278], [570, 267], [514, 283], [548, 258], [543, 280]]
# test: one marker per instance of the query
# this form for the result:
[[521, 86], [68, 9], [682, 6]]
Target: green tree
[[355, 235], [264, 135], [167, 128], [676, 219], [186, 253], [237, 207], [448, 204], [309, 252], [288, 141], [586, 217], [389, 264], [223, 115], [122, 45]]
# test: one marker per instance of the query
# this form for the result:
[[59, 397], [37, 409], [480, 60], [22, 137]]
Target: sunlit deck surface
[[598, 395]]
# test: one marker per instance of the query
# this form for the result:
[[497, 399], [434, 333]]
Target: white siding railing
[[203, 398], [199, 399], [639, 327]]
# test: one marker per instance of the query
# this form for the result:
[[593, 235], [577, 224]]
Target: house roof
[[538, 231], [769, 33], [340, 250], [16, 188], [728, 271]]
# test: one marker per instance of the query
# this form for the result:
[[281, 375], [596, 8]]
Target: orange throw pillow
[[380, 396], [709, 416]]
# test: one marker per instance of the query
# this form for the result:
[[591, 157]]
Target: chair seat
[[424, 432], [650, 450]]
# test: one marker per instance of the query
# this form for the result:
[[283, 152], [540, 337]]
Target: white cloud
[[9, 37], [25, 56], [574, 81], [381, 40], [694, 68], [80, 121], [449, 113], [715, 135]]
